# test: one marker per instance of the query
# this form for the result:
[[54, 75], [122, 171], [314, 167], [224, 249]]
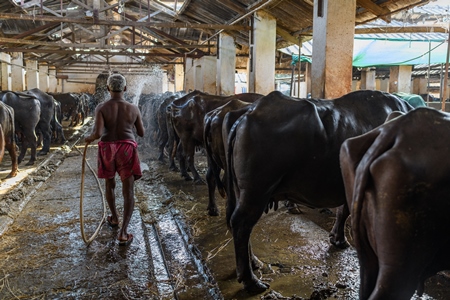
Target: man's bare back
[[119, 117]]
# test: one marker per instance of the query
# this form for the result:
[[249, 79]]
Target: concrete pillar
[[308, 79], [368, 79], [189, 75], [205, 74], [32, 74], [43, 78], [333, 31], [179, 78], [382, 85], [226, 65], [165, 82], [420, 86], [52, 81], [6, 71], [400, 79], [262, 54], [17, 72]]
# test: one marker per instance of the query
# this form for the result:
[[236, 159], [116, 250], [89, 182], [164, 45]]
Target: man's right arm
[[98, 127]]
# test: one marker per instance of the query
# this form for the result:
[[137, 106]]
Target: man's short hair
[[116, 83]]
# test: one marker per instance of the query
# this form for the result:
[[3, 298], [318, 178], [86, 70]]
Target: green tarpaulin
[[303, 58], [413, 99]]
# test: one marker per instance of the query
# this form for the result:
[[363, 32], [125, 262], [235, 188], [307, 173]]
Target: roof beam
[[96, 52], [8, 16], [401, 29], [382, 12], [90, 46], [287, 36]]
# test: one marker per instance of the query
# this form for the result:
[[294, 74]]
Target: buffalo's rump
[[396, 179]]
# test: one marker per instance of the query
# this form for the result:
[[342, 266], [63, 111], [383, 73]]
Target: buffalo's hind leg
[[337, 234], [211, 182], [243, 219]]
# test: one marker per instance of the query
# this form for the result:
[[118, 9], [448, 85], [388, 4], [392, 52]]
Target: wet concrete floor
[[178, 251]]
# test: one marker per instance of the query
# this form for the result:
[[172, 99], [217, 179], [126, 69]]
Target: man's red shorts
[[118, 156]]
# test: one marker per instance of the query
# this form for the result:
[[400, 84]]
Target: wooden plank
[[377, 10]]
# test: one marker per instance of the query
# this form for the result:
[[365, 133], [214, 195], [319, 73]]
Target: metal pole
[[445, 93], [428, 73], [299, 63]]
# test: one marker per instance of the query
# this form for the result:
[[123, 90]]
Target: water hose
[[83, 235]]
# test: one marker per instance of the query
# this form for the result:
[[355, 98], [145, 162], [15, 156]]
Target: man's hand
[[89, 139]]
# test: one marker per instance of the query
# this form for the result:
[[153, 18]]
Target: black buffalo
[[289, 150], [215, 149], [46, 116], [27, 110], [72, 107], [397, 184], [187, 114], [7, 136]]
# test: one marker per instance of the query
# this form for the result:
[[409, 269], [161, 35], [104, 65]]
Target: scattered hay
[[218, 249]]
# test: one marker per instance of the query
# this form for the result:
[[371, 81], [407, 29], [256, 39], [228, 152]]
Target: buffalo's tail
[[231, 184], [214, 166]]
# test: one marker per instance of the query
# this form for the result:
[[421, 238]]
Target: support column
[[368, 79], [333, 31], [308, 79], [43, 78], [382, 84], [205, 74], [400, 79], [189, 75], [226, 65], [262, 54], [52, 81], [6, 71], [17, 72], [179, 78], [420, 86], [165, 82], [32, 74]]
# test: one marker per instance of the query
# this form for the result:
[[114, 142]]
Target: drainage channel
[[178, 266]]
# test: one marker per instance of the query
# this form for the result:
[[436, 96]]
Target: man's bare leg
[[128, 207], [110, 185]]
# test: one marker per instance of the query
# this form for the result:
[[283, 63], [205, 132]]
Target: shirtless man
[[115, 121]]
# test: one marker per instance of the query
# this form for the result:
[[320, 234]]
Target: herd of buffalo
[[369, 154], [33, 117]]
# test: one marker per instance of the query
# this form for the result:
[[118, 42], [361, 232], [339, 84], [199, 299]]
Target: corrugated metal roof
[[187, 28]]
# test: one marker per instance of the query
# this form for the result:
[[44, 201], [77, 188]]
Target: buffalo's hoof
[[339, 244], [30, 163], [41, 153], [213, 211], [199, 181], [326, 211], [187, 177], [174, 169], [256, 287]]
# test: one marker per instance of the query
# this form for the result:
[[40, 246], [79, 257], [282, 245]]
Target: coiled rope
[[83, 235]]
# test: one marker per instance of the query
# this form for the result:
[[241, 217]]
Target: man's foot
[[110, 223], [127, 241]]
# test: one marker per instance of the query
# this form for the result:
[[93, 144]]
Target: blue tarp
[[385, 52], [372, 52]]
